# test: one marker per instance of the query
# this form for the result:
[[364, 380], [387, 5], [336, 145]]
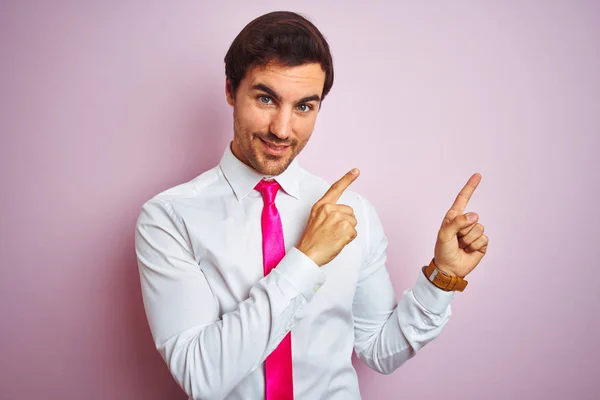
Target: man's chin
[[272, 166], [272, 170]]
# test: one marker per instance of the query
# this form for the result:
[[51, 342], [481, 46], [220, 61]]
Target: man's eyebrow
[[272, 93], [266, 89], [314, 97]]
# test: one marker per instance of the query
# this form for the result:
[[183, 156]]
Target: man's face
[[274, 114]]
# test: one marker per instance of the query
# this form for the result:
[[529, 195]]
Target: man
[[258, 278]]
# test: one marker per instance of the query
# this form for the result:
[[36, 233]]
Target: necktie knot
[[269, 190]]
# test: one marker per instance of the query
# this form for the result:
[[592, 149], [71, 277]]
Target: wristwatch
[[442, 280]]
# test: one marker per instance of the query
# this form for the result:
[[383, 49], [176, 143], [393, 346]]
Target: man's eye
[[304, 108], [265, 100]]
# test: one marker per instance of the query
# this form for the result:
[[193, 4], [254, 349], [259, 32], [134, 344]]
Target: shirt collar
[[243, 178]]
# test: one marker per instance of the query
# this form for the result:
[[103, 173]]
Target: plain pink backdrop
[[104, 104]]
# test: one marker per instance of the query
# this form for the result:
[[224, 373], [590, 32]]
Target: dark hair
[[283, 37]]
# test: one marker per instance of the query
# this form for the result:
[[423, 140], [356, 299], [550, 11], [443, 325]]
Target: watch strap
[[442, 280]]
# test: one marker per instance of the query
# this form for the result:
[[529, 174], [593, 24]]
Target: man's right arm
[[209, 354]]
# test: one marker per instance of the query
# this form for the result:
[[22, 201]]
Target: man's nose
[[281, 124]]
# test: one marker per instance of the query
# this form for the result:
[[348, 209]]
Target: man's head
[[279, 70]]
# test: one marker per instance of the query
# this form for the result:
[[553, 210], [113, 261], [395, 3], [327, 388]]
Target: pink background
[[105, 104]]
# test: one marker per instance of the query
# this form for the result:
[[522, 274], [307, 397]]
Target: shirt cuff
[[430, 296], [301, 272]]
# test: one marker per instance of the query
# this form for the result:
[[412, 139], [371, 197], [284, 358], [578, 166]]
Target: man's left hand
[[461, 244]]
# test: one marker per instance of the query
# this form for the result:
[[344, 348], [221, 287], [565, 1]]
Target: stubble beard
[[266, 164]]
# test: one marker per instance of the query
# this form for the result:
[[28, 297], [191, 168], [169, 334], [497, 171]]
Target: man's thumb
[[451, 227]]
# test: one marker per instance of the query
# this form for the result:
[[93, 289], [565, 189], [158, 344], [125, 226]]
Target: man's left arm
[[387, 333]]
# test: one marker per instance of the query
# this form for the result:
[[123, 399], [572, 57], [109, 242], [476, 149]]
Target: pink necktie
[[279, 381]]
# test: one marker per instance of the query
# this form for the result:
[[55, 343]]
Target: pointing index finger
[[460, 203], [335, 191]]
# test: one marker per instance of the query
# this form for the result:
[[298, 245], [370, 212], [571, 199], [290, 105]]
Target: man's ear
[[229, 93]]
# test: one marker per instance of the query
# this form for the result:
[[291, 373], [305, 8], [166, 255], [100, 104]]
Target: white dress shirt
[[215, 317]]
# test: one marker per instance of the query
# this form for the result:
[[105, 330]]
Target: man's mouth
[[274, 148]]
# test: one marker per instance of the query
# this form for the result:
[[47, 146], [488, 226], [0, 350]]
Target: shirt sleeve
[[387, 333], [209, 354]]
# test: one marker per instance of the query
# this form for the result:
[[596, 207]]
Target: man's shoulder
[[195, 188]]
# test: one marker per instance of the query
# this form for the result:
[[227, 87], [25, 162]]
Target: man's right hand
[[331, 226]]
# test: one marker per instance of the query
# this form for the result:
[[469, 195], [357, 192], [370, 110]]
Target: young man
[[259, 279]]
